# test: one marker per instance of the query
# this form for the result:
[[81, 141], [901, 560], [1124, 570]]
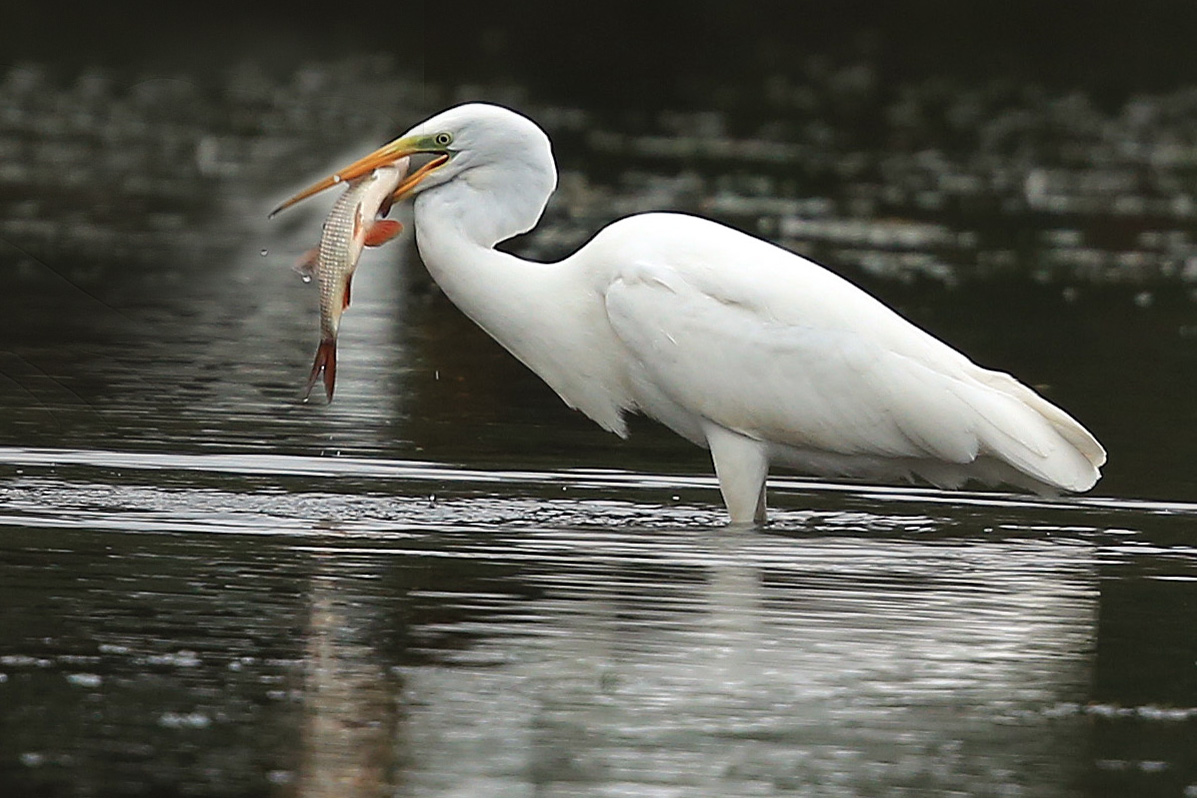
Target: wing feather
[[730, 329]]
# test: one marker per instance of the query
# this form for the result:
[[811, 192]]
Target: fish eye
[[443, 139]]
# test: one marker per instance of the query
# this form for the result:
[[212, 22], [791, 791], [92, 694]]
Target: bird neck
[[495, 289], [543, 313]]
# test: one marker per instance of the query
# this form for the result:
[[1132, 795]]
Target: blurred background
[[447, 583], [1019, 180]]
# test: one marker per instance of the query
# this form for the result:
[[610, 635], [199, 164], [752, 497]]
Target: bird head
[[490, 148]]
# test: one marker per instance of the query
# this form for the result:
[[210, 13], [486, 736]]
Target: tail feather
[[324, 365], [1068, 427], [1033, 435]]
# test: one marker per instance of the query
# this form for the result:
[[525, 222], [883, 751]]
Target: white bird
[[755, 353]]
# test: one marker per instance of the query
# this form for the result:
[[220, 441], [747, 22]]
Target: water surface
[[447, 583]]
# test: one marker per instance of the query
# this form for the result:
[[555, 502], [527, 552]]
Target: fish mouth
[[385, 155], [408, 184]]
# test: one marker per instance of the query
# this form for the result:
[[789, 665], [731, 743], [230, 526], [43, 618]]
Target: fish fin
[[345, 299], [326, 365], [382, 231], [307, 263]]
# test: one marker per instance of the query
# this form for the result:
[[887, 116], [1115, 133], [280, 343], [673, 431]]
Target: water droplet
[[307, 278], [264, 253], [336, 178]]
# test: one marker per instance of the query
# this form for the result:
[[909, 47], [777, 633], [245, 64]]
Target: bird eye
[[443, 139]]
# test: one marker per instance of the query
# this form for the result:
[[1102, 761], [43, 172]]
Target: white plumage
[[740, 346]]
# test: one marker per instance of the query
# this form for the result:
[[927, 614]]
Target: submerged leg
[[741, 464]]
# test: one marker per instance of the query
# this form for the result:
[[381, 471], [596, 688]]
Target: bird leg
[[741, 464]]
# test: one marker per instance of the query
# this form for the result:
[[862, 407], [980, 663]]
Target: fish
[[352, 224]]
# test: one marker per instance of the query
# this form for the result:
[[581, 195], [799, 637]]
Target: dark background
[[633, 53]]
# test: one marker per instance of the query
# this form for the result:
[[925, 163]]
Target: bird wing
[[735, 331]]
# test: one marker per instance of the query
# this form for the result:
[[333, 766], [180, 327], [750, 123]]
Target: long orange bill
[[387, 154]]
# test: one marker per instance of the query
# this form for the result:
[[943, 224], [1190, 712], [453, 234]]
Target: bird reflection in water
[[729, 662]]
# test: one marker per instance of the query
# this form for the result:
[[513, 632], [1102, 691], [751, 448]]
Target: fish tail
[[325, 364]]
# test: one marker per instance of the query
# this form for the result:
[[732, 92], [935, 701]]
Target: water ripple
[[424, 478]]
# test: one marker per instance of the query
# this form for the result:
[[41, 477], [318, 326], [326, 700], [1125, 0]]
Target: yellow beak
[[383, 156]]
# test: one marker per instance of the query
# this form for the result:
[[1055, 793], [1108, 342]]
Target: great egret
[[744, 348]]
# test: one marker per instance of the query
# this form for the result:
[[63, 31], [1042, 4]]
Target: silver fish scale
[[335, 262]]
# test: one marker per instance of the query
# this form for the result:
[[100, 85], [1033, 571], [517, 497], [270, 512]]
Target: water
[[258, 624], [446, 583]]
